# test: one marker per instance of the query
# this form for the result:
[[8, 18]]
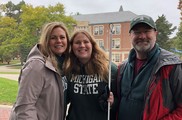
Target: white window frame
[[100, 42], [116, 29], [82, 28], [116, 43], [116, 57], [98, 30]]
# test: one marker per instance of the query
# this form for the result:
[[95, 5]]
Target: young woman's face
[[82, 48], [58, 41]]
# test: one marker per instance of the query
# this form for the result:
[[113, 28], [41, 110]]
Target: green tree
[[12, 10], [8, 52], [33, 18], [25, 22], [7, 34], [180, 8], [178, 39], [178, 42], [164, 29], [9, 30], [9, 9]]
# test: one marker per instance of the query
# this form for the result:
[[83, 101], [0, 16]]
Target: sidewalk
[[5, 112], [7, 68], [9, 76]]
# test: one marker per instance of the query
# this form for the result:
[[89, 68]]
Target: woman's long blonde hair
[[44, 42], [98, 63]]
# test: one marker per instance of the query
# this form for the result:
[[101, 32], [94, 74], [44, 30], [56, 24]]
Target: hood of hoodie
[[36, 54]]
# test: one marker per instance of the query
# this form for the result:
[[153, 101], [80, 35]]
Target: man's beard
[[143, 48]]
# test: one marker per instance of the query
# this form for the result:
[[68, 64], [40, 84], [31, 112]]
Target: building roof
[[105, 18]]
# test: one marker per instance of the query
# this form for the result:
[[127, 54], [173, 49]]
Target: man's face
[[143, 38]]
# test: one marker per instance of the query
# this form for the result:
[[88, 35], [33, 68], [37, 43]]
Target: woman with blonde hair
[[88, 69], [41, 81]]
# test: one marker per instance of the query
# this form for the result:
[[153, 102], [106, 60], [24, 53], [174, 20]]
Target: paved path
[[5, 112], [10, 76], [5, 109], [8, 69]]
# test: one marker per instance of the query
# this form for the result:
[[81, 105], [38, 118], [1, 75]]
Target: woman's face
[[82, 48], [58, 41]]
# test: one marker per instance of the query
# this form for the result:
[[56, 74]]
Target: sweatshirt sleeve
[[114, 90]]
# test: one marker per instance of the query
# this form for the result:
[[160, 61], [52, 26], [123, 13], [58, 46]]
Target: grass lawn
[[8, 91], [9, 72]]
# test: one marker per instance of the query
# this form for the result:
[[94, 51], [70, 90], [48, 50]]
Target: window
[[98, 30], [116, 43], [116, 29], [82, 28], [100, 43], [116, 57]]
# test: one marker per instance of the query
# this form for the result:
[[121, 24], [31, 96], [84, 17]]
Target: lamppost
[[110, 61]]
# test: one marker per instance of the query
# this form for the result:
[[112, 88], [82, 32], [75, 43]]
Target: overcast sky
[[153, 8]]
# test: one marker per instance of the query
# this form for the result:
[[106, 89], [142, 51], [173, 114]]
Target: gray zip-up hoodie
[[40, 95]]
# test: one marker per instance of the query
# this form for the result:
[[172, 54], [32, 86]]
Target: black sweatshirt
[[84, 92]]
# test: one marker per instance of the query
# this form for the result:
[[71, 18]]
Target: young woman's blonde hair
[[44, 42], [98, 63]]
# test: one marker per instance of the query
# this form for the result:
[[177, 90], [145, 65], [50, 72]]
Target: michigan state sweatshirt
[[84, 92]]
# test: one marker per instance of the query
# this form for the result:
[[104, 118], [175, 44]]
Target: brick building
[[100, 26]]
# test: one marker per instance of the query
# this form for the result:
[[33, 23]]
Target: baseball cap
[[142, 19]]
